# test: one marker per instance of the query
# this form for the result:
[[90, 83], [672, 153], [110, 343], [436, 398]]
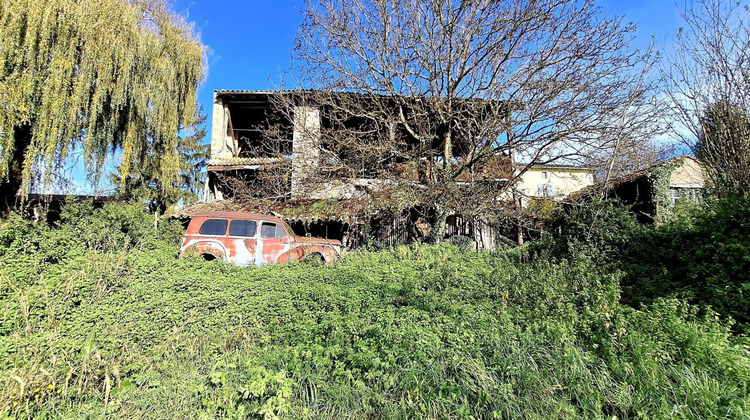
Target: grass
[[117, 326]]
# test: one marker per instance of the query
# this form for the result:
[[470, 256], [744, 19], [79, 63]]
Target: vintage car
[[248, 239]]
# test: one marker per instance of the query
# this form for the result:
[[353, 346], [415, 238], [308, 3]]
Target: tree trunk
[[9, 188], [517, 199], [438, 225], [445, 178], [520, 222]]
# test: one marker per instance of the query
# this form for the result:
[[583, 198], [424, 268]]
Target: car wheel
[[315, 259]]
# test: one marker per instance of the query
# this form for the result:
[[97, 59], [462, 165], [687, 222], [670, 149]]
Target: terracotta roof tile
[[345, 211]]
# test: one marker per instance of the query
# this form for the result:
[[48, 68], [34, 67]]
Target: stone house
[[553, 181], [243, 166], [652, 193]]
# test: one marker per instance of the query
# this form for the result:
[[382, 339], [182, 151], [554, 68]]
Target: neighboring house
[[652, 193], [553, 181]]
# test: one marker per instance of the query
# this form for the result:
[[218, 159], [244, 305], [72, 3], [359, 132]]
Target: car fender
[[299, 252], [295, 253], [205, 246]]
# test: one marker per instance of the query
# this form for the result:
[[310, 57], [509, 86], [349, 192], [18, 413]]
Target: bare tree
[[708, 87], [633, 143], [435, 99]]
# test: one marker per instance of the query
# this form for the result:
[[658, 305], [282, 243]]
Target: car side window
[[268, 230], [272, 230], [244, 228], [214, 227]]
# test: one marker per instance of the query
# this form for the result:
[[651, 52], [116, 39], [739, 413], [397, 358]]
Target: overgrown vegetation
[[701, 253], [98, 317]]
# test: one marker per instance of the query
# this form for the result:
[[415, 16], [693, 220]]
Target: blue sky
[[250, 41]]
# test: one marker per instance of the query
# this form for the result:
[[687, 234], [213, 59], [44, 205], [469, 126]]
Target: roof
[[647, 172], [264, 93], [220, 91], [552, 166], [235, 215], [344, 211], [245, 160], [631, 177], [223, 164], [249, 92], [555, 166], [260, 91]]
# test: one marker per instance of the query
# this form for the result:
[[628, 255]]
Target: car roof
[[236, 215]]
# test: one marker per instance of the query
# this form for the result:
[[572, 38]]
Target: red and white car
[[248, 239]]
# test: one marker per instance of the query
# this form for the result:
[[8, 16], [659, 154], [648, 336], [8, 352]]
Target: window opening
[[674, 195], [545, 190], [272, 230]]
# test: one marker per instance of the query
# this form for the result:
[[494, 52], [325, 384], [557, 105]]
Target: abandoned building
[[269, 157], [279, 136]]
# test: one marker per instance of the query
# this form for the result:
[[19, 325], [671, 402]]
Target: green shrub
[[121, 328], [701, 254]]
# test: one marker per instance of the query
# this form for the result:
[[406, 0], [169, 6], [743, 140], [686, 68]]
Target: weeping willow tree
[[104, 77]]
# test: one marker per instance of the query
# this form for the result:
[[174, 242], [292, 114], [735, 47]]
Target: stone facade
[[305, 150], [223, 143], [687, 175]]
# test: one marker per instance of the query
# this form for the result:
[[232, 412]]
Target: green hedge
[[98, 317]]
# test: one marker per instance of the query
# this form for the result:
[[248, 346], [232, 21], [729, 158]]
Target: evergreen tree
[[144, 183], [707, 87], [724, 148]]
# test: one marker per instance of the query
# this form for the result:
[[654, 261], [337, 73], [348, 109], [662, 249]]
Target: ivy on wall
[[659, 181]]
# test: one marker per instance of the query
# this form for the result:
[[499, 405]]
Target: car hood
[[304, 240]]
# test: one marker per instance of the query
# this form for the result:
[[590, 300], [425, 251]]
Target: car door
[[243, 237], [272, 243]]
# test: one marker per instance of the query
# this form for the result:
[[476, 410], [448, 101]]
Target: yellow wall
[[688, 175], [563, 180]]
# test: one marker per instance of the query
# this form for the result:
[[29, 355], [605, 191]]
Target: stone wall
[[305, 150]]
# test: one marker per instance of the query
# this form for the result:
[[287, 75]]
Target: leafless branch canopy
[[436, 98], [707, 82]]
